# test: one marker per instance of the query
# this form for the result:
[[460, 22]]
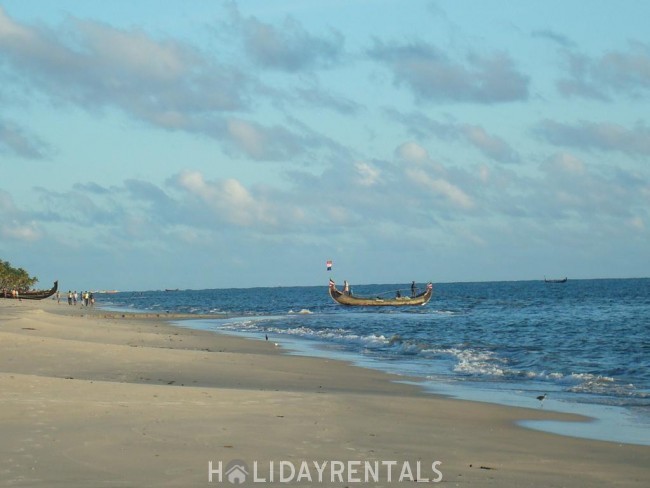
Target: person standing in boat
[[414, 289], [346, 287]]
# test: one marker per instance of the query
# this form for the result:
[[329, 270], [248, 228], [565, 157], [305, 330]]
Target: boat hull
[[354, 301], [34, 295]]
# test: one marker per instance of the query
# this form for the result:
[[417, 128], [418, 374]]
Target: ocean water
[[584, 343]]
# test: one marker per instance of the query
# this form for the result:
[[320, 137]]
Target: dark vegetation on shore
[[15, 278]]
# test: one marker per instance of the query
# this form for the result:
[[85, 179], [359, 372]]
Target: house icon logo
[[236, 472]]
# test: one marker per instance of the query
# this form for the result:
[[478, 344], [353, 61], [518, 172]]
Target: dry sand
[[94, 399]]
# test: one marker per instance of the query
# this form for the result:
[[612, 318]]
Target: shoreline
[[609, 423], [91, 400], [612, 423]]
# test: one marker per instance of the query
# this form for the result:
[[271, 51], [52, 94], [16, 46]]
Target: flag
[[329, 265]]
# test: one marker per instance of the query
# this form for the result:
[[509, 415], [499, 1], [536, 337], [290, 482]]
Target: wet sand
[[92, 398]]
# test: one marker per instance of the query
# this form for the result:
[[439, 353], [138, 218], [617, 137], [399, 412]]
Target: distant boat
[[561, 280], [356, 301], [171, 289], [34, 294]]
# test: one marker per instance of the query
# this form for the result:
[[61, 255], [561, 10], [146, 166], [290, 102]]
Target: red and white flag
[[329, 265]]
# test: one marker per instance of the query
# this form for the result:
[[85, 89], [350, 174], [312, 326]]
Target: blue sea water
[[585, 343]]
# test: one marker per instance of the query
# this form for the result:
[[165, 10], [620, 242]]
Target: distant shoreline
[[406, 284]]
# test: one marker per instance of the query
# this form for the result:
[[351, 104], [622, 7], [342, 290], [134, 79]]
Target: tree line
[[15, 278]]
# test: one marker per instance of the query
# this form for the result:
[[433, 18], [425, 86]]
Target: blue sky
[[193, 144]]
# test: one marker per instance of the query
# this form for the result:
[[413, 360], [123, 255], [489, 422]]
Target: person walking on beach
[[69, 297]]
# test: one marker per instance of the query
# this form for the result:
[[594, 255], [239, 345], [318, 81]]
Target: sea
[[585, 344]]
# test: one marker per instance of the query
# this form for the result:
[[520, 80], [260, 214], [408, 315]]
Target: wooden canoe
[[355, 301], [561, 280], [33, 295]]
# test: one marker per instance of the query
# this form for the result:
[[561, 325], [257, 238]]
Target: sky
[[214, 144]]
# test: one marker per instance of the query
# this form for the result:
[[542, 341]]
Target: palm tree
[[15, 278]]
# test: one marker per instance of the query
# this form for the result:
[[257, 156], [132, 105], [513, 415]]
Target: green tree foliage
[[17, 278]]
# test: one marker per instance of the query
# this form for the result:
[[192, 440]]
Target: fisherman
[[413, 289], [346, 287]]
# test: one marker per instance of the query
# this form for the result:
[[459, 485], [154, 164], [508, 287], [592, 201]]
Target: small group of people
[[414, 291], [87, 298], [13, 293], [348, 291]]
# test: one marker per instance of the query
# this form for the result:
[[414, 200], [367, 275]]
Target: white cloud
[[13, 32], [367, 174], [287, 46], [636, 223], [423, 127], [413, 152], [623, 71], [432, 75], [604, 136], [21, 232], [14, 223], [248, 137], [484, 173], [16, 140], [490, 145], [441, 187], [228, 200], [91, 64], [565, 163]]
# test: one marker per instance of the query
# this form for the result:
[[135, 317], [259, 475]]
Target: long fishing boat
[[560, 280], [399, 301], [32, 294]]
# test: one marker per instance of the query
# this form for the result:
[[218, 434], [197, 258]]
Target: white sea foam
[[480, 364]]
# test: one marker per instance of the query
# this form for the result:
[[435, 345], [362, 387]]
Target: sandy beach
[[90, 398]]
